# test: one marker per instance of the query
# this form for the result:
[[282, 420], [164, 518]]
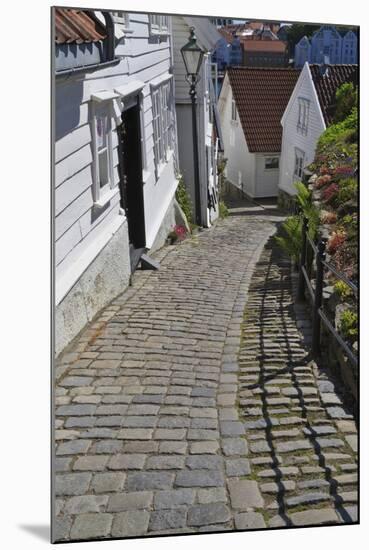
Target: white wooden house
[[115, 155], [309, 111], [208, 123], [251, 103]]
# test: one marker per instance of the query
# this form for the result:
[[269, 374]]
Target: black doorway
[[131, 186]]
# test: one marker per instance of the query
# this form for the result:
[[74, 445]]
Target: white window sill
[[106, 197], [154, 32]]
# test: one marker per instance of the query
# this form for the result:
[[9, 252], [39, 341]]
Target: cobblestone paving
[[164, 424], [302, 439]]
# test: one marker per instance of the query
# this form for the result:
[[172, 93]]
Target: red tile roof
[[326, 86], [226, 34], [261, 96], [264, 45], [77, 26]]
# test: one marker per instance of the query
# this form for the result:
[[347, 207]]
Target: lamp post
[[192, 56]]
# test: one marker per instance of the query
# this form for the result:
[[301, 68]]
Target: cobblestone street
[[191, 404]]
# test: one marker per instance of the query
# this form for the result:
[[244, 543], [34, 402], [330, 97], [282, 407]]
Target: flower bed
[[334, 187]]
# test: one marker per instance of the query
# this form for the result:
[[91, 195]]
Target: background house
[[264, 52], [115, 155], [251, 104], [327, 45], [208, 124], [228, 50], [309, 111]]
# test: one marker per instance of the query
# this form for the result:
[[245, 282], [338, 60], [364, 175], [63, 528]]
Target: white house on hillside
[[308, 113], [251, 103], [208, 123], [115, 155]]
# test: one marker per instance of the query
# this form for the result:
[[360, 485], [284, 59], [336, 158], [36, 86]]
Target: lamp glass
[[192, 55]]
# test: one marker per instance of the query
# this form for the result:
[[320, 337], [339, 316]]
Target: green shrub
[[347, 190], [346, 100], [348, 323], [290, 239], [183, 199], [304, 199], [342, 290], [341, 132], [223, 210]]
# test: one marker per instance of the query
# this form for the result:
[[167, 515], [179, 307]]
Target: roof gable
[[261, 96], [206, 32]]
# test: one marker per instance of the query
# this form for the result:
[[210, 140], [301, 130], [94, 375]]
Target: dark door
[[131, 187]]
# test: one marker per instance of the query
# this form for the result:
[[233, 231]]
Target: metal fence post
[[318, 296], [301, 286]]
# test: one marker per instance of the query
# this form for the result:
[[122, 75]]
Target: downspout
[[110, 40]]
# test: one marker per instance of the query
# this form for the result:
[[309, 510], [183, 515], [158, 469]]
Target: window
[[159, 24], [271, 163], [121, 17], [103, 153], [163, 123], [299, 163], [234, 111], [303, 116]]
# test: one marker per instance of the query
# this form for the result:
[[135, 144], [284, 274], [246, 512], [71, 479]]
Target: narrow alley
[[191, 403]]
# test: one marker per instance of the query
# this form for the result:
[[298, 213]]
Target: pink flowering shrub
[[328, 217], [336, 240], [322, 180], [324, 170], [180, 231], [330, 193]]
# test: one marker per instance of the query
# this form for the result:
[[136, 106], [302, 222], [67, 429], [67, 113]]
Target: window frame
[[158, 28], [122, 19], [102, 194], [163, 123], [270, 168], [299, 163], [303, 115], [233, 111]]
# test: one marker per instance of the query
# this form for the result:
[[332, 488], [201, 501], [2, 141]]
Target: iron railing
[[310, 251]]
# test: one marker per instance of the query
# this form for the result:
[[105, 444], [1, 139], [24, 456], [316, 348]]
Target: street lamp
[[192, 56]]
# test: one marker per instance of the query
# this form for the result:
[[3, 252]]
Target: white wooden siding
[[76, 227], [181, 33], [266, 181], [293, 138], [240, 169]]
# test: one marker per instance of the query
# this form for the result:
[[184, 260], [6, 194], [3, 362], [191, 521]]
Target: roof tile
[[326, 85], [77, 26], [261, 96]]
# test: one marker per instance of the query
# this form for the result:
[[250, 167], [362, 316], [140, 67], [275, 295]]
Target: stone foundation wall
[[166, 227], [230, 191], [106, 277]]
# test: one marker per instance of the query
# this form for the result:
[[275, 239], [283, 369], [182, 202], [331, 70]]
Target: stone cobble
[[189, 406], [305, 482]]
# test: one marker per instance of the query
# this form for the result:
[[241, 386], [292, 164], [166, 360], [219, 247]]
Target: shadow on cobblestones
[[275, 297]]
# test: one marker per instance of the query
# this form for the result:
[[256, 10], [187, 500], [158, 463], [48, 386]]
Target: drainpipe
[[110, 40]]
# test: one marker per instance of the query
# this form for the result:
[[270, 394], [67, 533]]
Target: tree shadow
[[273, 279]]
